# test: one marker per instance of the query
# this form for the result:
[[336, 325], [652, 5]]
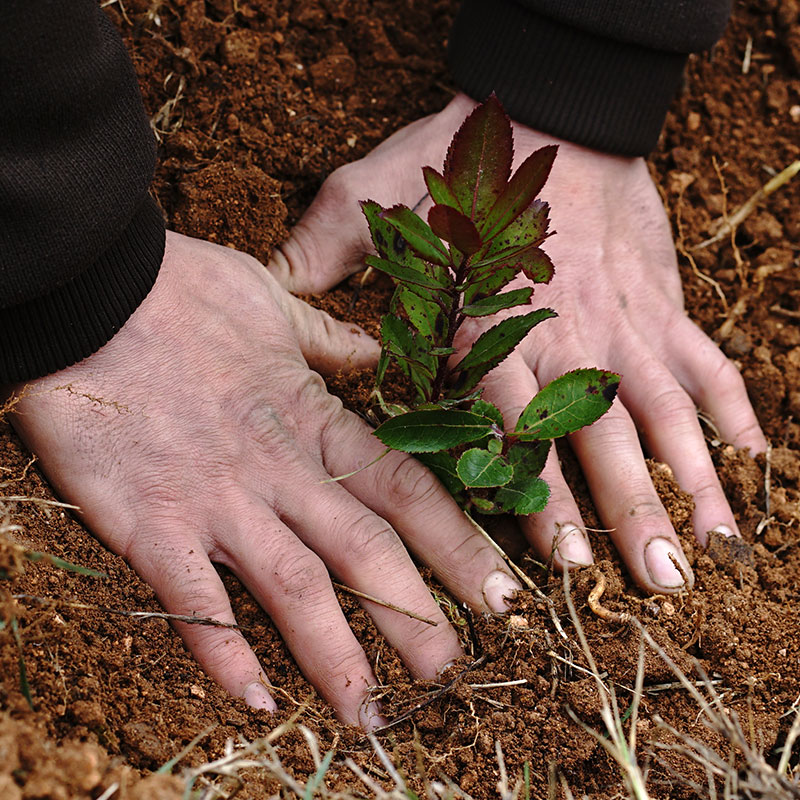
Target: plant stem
[[453, 324]]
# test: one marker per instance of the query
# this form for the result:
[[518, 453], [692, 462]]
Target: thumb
[[328, 345], [329, 242]]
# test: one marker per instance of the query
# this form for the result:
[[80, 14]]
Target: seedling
[[484, 229]]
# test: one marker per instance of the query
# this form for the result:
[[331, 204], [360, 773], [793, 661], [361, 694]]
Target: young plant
[[484, 229]]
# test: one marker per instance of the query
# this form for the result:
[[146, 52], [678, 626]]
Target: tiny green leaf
[[481, 469], [430, 431], [483, 505], [421, 239], [525, 493], [479, 159], [403, 273], [439, 191], [521, 190], [452, 226], [567, 404], [495, 303], [494, 345], [487, 409]]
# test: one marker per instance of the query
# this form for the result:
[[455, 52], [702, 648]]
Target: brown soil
[[259, 100]]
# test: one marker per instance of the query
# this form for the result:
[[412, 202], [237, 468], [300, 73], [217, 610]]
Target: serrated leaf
[[497, 302], [452, 226], [487, 409], [410, 350], [525, 493], [388, 241], [488, 282], [536, 265], [525, 497], [421, 239], [521, 190], [478, 160], [403, 273], [439, 191], [443, 466], [481, 469], [493, 346], [567, 404], [528, 230], [431, 431], [423, 313]]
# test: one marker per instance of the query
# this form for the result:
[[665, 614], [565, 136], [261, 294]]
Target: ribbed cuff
[[77, 319], [594, 91]]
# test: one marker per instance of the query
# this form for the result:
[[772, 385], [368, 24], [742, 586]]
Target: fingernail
[[659, 564], [257, 696], [498, 588], [572, 546], [370, 717], [724, 530]]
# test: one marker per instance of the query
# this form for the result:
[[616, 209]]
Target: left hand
[[618, 295]]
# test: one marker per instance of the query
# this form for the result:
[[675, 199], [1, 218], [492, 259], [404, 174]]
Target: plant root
[[599, 610]]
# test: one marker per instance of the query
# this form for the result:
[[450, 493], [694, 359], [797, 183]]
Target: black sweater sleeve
[[599, 73], [81, 240]]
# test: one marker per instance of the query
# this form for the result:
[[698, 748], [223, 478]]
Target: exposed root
[[599, 610]]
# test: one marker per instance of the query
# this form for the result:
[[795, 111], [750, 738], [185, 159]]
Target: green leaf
[[443, 466], [536, 265], [430, 431], [421, 239], [478, 160], [495, 303], [481, 469], [528, 230], [488, 282], [410, 350], [521, 190], [389, 244], [403, 273], [523, 497], [567, 404], [525, 493], [34, 556], [487, 409], [493, 346], [423, 313], [483, 505], [439, 191], [455, 228]]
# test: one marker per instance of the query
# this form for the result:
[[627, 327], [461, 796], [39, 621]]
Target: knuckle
[[339, 186], [298, 575], [404, 482], [675, 407], [370, 540], [644, 507]]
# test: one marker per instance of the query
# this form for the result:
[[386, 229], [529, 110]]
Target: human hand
[[199, 434], [618, 294]]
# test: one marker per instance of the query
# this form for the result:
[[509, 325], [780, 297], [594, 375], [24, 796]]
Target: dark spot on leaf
[[592, 389], [380, 239], [610, 392], [603, 379], [400, 244], [544, 413]]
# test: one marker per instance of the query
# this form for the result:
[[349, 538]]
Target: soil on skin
[[271, 97]]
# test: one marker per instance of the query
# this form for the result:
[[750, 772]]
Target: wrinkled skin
[[618, 295], [199, 434]]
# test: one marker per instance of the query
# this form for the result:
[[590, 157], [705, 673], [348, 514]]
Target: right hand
[[199, 434]]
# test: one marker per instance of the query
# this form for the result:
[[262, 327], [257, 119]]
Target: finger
[[329, 241], [186, 583], [406, 494], [363, 551], [557, 533], [613, 464], [329, 346], [668, 419], [716, 386], [292, 584]]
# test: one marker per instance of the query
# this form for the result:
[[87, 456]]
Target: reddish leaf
[[452, 226], [479, 158], [439, 191], [521, 190], [536, 265]]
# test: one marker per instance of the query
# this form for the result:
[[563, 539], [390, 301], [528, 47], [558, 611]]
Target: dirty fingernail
[[724, 530], [370, 717], [659, 564], [257, 696], [572, 545], [498, 588]]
